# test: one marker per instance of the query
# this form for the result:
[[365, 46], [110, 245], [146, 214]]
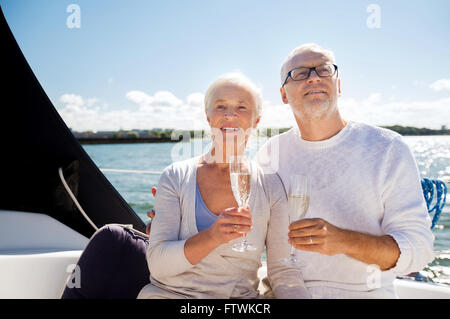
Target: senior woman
[[197, 220]]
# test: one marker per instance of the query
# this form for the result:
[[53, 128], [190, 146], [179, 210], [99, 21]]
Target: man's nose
[[313, 77]]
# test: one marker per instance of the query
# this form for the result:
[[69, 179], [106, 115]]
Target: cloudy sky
[[116, 64]]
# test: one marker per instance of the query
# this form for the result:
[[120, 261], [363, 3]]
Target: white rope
[[69, 191]]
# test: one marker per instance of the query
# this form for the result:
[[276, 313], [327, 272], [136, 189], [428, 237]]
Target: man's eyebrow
[[311, 65]]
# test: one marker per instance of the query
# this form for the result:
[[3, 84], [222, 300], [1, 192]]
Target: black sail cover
[[35, 142]]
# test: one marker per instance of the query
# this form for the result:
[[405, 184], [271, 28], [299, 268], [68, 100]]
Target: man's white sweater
[[363, 179]]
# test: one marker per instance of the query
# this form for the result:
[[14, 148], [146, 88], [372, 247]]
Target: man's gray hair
[[238, 79], [305, 47]]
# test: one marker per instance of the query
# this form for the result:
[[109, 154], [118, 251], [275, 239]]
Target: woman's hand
[[232, 223]]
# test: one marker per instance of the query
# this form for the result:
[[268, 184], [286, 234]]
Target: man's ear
[[283, 95]]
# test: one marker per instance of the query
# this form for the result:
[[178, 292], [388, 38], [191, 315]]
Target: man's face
[[314, 97]]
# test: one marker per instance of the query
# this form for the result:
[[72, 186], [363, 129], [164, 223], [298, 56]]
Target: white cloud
[[276, 115], [166, 98], [160, 99], [162, 110], [91, 101], [139, 98], [372, 99], [196, 99], [165, 110], [419, 84], [441, 85], [71, 99], [374, 110]]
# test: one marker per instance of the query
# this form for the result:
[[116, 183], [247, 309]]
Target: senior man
[[367, 221]]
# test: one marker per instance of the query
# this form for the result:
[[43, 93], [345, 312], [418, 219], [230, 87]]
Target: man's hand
[[150, 214], [318, 235]]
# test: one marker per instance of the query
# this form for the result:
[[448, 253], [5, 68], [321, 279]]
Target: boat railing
[[131, 171]]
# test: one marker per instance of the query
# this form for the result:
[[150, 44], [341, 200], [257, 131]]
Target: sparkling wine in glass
[[298, 203], [240, 184]]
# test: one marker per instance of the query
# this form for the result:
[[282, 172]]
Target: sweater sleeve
[[165, 252], [286, 283], [406, 217]]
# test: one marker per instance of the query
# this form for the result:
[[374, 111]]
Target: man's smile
[[315, 92]]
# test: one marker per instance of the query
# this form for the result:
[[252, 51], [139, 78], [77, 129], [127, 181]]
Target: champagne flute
[[240, 184], [298, 203]]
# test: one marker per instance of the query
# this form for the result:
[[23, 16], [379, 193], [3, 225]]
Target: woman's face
[[231, 112]]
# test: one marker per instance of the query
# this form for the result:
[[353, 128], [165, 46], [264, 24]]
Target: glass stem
[[244, 238], [292, 252]]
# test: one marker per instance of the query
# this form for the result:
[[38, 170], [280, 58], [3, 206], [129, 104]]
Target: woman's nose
[[229, 112]]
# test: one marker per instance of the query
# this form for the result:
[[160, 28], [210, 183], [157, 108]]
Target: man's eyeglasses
[[302, 73]]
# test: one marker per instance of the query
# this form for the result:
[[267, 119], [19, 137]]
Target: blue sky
[[144, 64]]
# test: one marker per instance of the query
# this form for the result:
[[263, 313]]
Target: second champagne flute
[[298, 203]]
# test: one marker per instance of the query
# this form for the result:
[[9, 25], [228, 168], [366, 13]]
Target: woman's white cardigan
[[223, 273]]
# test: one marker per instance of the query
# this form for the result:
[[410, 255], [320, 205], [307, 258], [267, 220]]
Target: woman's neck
[[221, 159]]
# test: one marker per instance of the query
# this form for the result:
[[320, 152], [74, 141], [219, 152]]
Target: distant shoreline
[[88, 141], [137, 141], [151, 136]]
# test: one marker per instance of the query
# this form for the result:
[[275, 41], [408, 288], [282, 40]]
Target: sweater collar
[[332, 141]]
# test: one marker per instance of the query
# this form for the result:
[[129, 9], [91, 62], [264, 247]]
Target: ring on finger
[[235, 228], [310, 240]]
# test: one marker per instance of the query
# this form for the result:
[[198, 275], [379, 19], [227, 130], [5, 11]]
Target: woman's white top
[[223, 273]]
